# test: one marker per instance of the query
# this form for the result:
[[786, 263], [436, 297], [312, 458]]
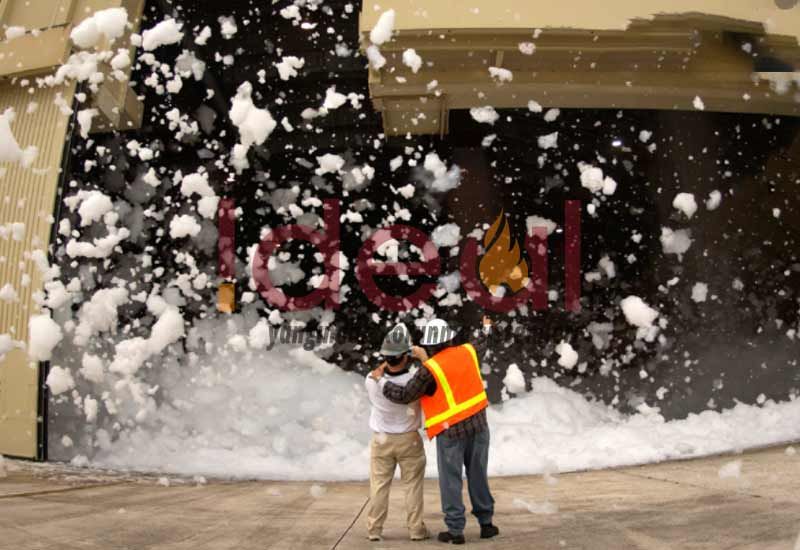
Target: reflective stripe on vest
[[454, 408]]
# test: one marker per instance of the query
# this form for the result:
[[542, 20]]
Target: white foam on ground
[[282, 414]]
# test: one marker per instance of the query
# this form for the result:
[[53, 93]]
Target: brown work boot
[[447, 536], [488, 531]]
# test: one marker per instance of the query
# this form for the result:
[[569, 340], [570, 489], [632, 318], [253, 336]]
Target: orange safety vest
[[459, 389]]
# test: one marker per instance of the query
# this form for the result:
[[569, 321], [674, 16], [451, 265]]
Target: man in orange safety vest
[[450, 389]]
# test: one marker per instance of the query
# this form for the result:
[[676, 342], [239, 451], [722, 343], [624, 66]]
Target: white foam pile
[[289, 66], [685, 203], [10, 150], [286, 414], [412, 60], [501, 75], [593, 180], [548, 141], [254, 124], [485, 115], [45, 334], [164, 33], [555, 426], [567, 356], [714, 199], [675, 241], [242, 412], [446, 235], [380, 33], [109, 24], [444, 179]]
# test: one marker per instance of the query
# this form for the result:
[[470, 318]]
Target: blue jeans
[[453, 456]]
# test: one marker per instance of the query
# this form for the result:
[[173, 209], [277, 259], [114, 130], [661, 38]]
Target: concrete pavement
[[665, 506]]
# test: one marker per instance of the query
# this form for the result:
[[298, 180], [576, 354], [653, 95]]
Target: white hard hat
[[436, 332]]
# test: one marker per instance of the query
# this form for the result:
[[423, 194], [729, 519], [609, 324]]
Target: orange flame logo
[[502, 264]]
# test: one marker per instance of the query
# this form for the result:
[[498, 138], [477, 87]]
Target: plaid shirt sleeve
[[412, 391], [419, 385]]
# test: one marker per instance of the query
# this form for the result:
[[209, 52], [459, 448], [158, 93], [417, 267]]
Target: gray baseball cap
[[397, 341]]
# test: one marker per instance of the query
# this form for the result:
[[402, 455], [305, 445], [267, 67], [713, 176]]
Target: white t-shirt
[[388, 417]]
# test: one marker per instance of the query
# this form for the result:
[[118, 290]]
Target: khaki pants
[[387, 451]]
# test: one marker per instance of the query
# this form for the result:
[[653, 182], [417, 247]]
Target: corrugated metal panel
[[27, 195]]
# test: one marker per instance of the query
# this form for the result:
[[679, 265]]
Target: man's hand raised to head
[[419, 353], [377, 373]]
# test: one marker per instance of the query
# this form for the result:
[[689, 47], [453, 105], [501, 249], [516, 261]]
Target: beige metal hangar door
[[27, 196]]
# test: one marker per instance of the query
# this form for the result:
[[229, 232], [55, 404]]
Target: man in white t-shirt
[[395, 441]]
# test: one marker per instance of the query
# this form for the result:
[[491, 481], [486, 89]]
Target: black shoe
[[488, 531], [446, 536]]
